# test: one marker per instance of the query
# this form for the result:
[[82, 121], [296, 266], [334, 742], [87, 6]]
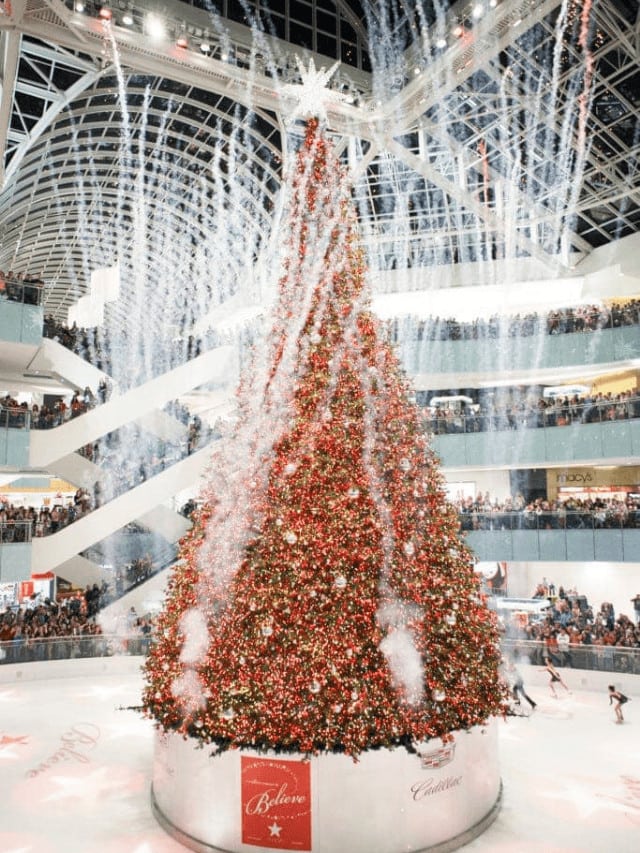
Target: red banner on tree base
[[276, 803]]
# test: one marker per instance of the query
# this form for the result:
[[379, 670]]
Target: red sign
[[276, 803], [26, 589]]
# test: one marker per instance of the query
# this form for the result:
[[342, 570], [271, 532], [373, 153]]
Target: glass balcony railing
[[565, 322], [532, 417], [15, 531], [14, 418], [592, 657], [616, 517], [66, 648], [26, 291]]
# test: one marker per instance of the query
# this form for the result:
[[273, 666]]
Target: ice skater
[[554, 677], [619, 699], [517, 685]]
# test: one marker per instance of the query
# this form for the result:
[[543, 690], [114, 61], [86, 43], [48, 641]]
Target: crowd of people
[[157, 354], [43, 620], [19, 523], [42, 629], [522, 411], [133, 573], [578, 319], [18, 415], [74, 611], [571, 622], [571, 513], [93, 345], [14, 414], [21, 287]]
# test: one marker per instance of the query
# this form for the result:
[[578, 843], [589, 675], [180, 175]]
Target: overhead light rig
[[158, 27]]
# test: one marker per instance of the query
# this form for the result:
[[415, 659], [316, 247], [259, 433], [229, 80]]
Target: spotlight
[[205, 47], [441, 43], [155, 27], [417, 70], [79, 6], [105, 13], [127, 19]]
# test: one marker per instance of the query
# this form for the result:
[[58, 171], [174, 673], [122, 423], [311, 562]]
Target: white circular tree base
[[388, 802]]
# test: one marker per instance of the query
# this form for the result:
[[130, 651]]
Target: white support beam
[[9, 56], [489, 36], [482, 211], [58, 105]]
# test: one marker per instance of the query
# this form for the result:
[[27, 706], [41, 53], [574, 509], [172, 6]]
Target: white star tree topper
[[312, 96]]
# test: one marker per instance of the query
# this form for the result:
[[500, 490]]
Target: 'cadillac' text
[[429, 787]]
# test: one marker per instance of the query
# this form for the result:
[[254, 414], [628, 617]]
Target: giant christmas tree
[[325, 600]]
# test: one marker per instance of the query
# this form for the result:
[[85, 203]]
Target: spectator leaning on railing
[[21, 523], [65, 617], [522, 411], [514, 513], [21, 287], [46, 620]]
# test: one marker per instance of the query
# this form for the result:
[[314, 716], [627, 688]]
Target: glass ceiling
[[474, 132]]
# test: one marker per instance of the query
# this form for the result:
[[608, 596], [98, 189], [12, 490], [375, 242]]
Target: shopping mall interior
[[491, 150]]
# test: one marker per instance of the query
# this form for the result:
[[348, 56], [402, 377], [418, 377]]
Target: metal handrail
[[554, 323], [28, 292], [596, 657], [502, 519], [14, 418], [472, 521], [15, 531], [29, 650], [593, 657]]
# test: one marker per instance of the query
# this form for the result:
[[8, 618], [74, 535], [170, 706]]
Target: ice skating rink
[[75, 767]]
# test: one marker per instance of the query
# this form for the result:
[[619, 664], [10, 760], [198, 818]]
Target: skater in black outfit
[[517, 685], [556, 678], [619, 699]]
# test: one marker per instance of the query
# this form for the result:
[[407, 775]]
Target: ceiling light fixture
[[155, 27]]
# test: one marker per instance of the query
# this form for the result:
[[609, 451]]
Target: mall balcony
[[467, 442]]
